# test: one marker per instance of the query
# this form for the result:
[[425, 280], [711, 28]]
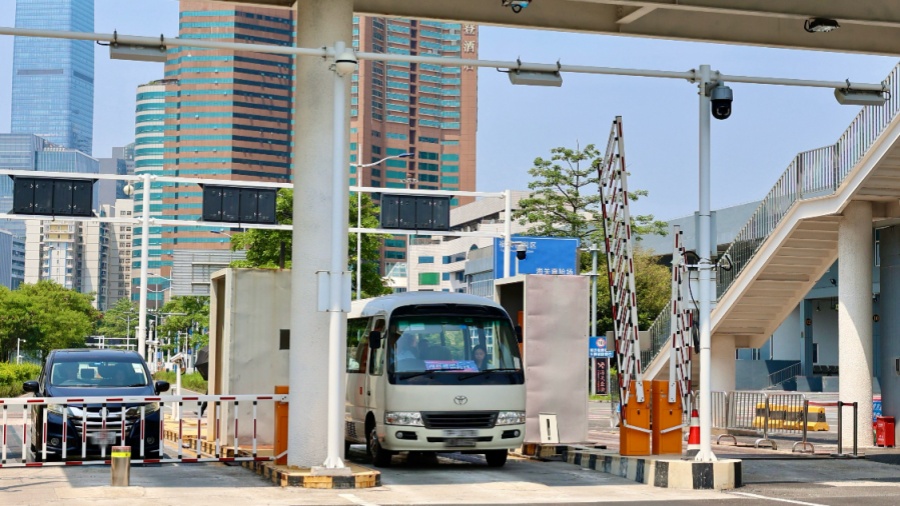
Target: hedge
[[13, 375]]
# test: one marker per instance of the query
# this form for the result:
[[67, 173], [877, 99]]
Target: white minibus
[[433, 372]]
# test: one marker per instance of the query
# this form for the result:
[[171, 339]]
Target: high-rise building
[[120, 163], [74, 254], [147, 154], [428, 110], [228, 115], [119, 277], [53, 79]]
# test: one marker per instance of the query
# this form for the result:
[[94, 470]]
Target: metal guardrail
[[815, 173]]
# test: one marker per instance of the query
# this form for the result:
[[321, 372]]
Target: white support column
[[856, 257], [722, 364], [319, 24]]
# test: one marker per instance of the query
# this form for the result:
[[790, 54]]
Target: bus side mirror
[[375, 339]]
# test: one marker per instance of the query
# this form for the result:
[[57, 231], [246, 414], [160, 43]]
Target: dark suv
[[95, 373]]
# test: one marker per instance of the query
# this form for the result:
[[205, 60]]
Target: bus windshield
[[423, 348]]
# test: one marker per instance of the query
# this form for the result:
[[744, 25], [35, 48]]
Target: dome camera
[[345, 63], [521, 251], [721, 98]]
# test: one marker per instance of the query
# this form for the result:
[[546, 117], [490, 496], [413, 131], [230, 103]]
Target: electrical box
[[415, 212], [234, 204]]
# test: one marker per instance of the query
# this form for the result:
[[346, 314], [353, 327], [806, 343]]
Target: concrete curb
[[664, 472]]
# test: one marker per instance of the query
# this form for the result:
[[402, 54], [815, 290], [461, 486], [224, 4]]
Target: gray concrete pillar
[[722, 362], [320, 23], [889, 349], [856, 257]]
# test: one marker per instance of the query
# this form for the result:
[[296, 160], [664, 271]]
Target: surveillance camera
[[721, 98], [345, 64], [521, 251], [515, 5]]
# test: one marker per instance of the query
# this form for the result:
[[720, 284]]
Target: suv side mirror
[[31, 386], [375, 339], [161, 386]]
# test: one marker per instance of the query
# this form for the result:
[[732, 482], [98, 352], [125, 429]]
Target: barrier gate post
[[667, 419]]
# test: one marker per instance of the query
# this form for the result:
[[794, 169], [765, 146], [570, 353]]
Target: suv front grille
[[94, 420], [459, 419]]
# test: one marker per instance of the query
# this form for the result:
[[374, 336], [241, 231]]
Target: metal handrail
[[782, 375], [815, 173]]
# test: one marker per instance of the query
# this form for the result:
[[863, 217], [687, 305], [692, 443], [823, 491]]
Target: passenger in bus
[[406, 347], [479, 353]]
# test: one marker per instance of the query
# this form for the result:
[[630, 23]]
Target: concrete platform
[[660, 470]]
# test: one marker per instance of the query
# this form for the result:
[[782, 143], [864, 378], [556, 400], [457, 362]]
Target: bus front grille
[[459, 419]]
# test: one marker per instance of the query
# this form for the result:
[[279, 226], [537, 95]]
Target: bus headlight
[[403, 418], [510, 417]]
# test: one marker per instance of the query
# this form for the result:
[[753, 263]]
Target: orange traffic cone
[[694, 434]]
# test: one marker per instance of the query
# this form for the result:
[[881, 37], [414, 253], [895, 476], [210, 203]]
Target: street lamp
[[359, 217], [145, 257], [18, 354]]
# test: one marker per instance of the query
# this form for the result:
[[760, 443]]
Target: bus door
[[357, 361], [375, 375]]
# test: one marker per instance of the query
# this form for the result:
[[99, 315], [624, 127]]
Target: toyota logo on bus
[[459, 400]]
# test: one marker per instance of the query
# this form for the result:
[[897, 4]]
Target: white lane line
[[356, 500], [756, 496]]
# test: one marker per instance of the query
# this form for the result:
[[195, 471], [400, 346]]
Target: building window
[[426, 260], [429, 278]]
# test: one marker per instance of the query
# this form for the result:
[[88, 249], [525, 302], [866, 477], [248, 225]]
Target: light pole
[[359, 213], [410, 181], [18, 353], [145, 257]]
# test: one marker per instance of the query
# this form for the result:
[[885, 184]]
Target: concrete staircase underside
[[799, 251]]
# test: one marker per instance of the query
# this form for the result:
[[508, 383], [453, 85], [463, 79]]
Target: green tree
[[565, 202], [47, 316], [264, 246], [191, 316], [565, 199], [117, 319]]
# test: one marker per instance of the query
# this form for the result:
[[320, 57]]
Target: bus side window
[[357, 344], [377, 365]]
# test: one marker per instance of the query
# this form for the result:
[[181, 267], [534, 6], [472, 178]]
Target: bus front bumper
[[415, 438]]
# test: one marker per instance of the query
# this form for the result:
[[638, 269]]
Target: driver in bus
[[406, 346]]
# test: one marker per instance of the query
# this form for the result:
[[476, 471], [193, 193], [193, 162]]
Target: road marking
[[356, 500], [756, 496]]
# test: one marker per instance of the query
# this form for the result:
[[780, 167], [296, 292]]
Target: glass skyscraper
[[53, 79]]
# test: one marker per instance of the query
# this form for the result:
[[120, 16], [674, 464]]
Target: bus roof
[[387, 303]]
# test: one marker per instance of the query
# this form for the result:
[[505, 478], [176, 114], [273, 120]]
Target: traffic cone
[[694, 434]]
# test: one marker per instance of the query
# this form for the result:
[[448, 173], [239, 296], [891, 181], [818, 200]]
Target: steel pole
[[338, 320], [145, 259], [507, 233], [705, 267], [593, 313], [358, 234]]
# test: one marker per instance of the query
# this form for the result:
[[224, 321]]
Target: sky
[[750, 150]]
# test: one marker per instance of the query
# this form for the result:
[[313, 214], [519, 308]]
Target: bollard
[[121, 466]]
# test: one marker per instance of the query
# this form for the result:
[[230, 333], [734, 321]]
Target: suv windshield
[[94, 373]]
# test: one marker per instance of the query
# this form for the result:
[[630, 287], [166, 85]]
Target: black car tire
[[380, 457], [496, 458]]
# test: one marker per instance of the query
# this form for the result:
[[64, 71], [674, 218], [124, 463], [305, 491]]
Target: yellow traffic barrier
[[789, 417], [816, 419]]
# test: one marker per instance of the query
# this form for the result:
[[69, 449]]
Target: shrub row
[[192, 381], [12, 376]]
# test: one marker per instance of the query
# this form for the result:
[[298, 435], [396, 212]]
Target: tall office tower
[[53, 79], [147, 153], [228, 117], [121, 163], [429, 110]]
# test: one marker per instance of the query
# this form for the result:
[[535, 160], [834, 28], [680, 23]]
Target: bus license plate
[[460, 438]]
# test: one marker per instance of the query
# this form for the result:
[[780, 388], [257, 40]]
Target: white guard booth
[[553, 311], [250, 321]]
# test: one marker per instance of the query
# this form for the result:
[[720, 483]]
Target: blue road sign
[[597, 347], [544, 255]]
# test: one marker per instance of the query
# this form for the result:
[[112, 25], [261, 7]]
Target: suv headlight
[[135, 412], [403, 418], [56, 409], [510, 417]]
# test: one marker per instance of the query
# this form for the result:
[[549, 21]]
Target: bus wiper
[[420, 373], [480, 373]]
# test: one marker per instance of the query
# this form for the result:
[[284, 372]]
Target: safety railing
[[811, 174], [47, 431], [764, 414], [782, 375]]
